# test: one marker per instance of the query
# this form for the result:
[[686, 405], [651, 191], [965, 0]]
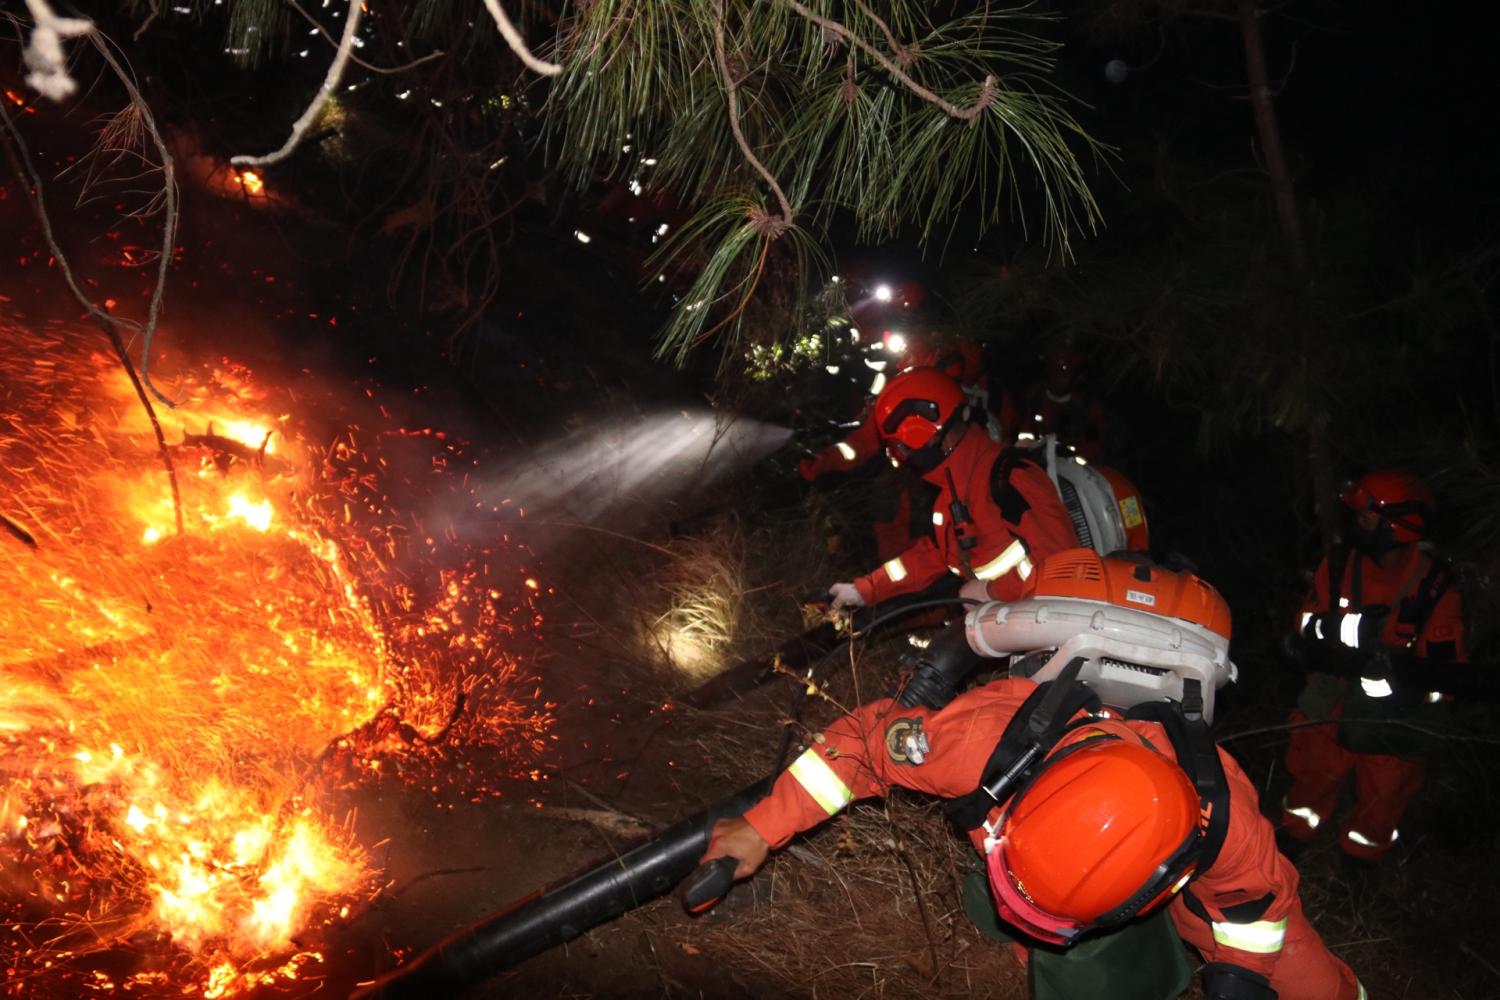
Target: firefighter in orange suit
[[1059, 864], [960, 359], [1382, 593], [996, 512], [1057, 405]]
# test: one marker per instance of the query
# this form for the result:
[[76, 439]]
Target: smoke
[[620, 474]]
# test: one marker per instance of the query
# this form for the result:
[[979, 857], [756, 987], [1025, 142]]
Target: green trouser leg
[[1144, 960]]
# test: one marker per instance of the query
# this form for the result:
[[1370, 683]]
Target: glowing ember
[[172, 706], [252, 183]]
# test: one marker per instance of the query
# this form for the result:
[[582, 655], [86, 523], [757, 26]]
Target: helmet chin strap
[[931, 455], [1374, 544]]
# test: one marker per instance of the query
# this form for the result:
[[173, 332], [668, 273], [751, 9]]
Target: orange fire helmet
[[1106, 830], [914, 409], [1400, 499]]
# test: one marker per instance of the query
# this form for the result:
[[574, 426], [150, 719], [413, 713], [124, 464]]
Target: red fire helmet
[[1107, 829], [1398, 497], [914, 408]]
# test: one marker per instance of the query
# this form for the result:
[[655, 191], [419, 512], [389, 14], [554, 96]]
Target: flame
[[173, 707]]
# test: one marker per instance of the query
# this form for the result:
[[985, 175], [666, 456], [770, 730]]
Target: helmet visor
[[1021, 913], [924, 408]]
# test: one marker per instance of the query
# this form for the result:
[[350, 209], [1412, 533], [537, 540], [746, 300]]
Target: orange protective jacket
[[1248, 895], [1365, 584], [1016, 523]]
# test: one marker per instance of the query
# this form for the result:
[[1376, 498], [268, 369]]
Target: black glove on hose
[[1222, 981]]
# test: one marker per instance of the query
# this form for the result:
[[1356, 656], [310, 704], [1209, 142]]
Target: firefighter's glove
[[735, 838], [845, 595], [1222, 981], [1376, 674]]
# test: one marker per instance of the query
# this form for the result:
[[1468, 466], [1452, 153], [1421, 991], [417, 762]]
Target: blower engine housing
[[1141, 629]]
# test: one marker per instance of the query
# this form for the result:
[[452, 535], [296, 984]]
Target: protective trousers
[[1383, 787]]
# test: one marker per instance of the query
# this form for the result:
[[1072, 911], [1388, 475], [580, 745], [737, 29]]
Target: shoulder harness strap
[[1013, 506], [1199, 757], [1032, 733]]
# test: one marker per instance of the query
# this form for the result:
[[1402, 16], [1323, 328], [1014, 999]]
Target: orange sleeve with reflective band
[[1317, 599], [915, 569], [860, 756], [858, 447]]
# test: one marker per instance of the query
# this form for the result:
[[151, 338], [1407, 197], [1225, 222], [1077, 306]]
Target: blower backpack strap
[[1013, 506], [1199, 757], [1038, 724]]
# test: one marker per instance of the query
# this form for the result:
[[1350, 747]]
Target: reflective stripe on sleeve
[[1349, 630], [847, 450], [1264, 937], [1362, 994], [819, 780], [895, 569], [1376, 687], [1013, 556]]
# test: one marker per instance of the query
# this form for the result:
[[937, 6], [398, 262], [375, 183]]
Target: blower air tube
[[562, 911]]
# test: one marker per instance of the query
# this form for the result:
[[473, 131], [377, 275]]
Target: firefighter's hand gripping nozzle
[[709, 883], [944, 665]]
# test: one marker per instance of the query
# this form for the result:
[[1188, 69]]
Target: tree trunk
[[1319, 455], [1270, 135]]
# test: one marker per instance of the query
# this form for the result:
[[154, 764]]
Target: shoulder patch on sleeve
[[906, 742]]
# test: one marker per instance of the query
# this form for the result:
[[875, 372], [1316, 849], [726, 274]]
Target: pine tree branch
[[150, 18], [330, 84], [769, 226], [517, 43], [986, 89], [902, 53]]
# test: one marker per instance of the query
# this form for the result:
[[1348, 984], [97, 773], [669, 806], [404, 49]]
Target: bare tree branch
[[517, 44], [986, 89], [20, 161], [169, 220], [330, 84]]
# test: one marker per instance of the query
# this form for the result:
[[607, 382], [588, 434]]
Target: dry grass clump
[[704, 594]]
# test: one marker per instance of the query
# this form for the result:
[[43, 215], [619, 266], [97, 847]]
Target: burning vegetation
[[181, 715]]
